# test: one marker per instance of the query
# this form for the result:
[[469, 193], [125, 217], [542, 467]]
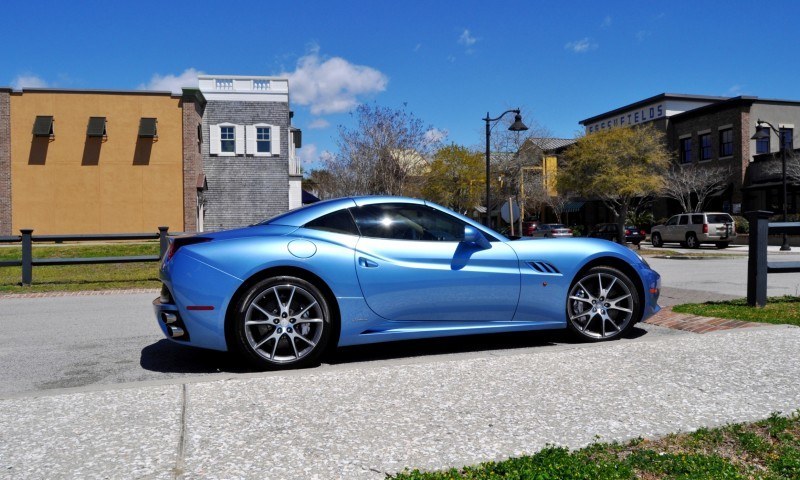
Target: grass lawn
[[781, 310], [769, 449], [82, 277]]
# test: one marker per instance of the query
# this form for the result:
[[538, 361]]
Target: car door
[[669, 230], [413, 266]]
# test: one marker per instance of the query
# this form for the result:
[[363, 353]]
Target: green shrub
[[742, 225]]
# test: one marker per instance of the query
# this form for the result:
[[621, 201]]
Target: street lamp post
[[761, 135], [517, 126]]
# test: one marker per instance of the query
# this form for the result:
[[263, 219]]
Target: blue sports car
[[375, 269]]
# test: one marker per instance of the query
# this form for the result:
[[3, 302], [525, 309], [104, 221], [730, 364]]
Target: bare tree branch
[[691, 185]]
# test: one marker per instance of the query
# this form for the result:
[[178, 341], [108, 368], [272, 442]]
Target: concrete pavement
[[362, 421]]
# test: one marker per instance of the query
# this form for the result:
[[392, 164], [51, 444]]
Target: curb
[[80, 293]]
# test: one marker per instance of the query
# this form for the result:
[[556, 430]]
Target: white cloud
[[332, 85], [581, 46], [172, 83], [318, 124], [28, 81], [606, 22], [641, 35], [735, 90], [308, 155], [416, 49], [434, 135], [467, 39]]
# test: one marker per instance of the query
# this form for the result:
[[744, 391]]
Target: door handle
[[366, 263]]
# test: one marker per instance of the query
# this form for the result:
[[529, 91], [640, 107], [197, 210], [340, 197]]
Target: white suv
[[693, 229]]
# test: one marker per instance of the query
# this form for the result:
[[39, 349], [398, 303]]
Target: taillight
[[641, 232], [178, 242], [705, 228], [627, 232]]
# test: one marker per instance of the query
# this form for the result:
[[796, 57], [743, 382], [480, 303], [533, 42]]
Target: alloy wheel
[[601, 304]]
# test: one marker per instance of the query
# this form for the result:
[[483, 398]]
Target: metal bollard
[[27, 257], [163, 241], [757, 258]]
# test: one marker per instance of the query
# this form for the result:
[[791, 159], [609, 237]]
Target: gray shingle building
[[249, 168]]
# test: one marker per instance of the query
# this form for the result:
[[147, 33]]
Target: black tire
[[655, 239], [590, 308], [291, 324], [722, 245], [691, 241]]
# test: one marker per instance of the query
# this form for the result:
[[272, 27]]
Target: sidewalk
[[362, 421]]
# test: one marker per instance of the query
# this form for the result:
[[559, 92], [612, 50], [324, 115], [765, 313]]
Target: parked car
[[528, 228], [363, 270], [695, 229], [610, 231], [551, 230]]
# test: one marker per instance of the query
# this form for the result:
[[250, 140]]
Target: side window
[[673, 221], [697, 219], [337, 222], [401, 221], [684, 220]]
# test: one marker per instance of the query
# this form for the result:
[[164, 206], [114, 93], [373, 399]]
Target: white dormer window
[[226, 139], [263, 140]]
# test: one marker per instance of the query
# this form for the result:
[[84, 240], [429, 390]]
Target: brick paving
[[696, 323]]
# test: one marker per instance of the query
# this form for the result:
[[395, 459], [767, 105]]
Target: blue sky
[[448, 62]]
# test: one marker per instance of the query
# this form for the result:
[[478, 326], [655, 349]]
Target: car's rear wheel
[[282, 322], [603, 303], [691, 241], [655, 239]]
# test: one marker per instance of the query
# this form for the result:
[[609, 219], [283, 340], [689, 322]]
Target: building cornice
[[653, 99]]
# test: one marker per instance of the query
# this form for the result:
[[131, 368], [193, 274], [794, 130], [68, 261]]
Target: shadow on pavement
[[168, 357]]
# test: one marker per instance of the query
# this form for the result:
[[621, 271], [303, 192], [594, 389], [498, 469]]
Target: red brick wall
[[192, 160], [5, 163]]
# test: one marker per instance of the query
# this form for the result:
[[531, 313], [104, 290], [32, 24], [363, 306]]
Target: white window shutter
[[213, 141], [275, 140], [250, 139], [239, 129]]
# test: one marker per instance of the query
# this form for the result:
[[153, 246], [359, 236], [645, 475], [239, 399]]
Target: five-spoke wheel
[[603, 303], [282, 322]]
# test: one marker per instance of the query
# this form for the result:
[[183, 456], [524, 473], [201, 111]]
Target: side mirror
[[475, 237]]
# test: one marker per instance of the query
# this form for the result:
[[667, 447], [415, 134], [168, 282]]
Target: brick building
[[712, 131]]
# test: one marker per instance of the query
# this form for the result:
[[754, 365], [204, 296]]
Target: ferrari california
[[361, 270]]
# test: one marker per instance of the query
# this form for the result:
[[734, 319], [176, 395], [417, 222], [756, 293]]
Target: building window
[[263, 143], [96, 127], [787, 138], [726, 143], [263, 140], [43, 126], [705, 146], [686, 150], [762, 145], [148, 128], [227, 140]]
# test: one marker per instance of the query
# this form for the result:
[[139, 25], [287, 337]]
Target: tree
[[321, 183], [456, 178], [619, 166], [381, 153], [691, 185]]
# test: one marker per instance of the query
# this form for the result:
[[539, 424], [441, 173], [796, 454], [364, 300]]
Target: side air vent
[[543, 267]]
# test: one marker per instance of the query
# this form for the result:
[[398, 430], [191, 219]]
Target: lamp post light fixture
[[517, 126], [762, 134]]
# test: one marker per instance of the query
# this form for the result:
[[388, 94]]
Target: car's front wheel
[[603, 303], [282, 322], [655, 239]]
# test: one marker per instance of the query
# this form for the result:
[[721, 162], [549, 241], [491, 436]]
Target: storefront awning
[[573, 207]]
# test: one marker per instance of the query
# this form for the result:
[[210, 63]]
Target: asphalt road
[[56, 343]]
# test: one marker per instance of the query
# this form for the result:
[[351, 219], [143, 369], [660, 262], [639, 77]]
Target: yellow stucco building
[[92, 161]]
